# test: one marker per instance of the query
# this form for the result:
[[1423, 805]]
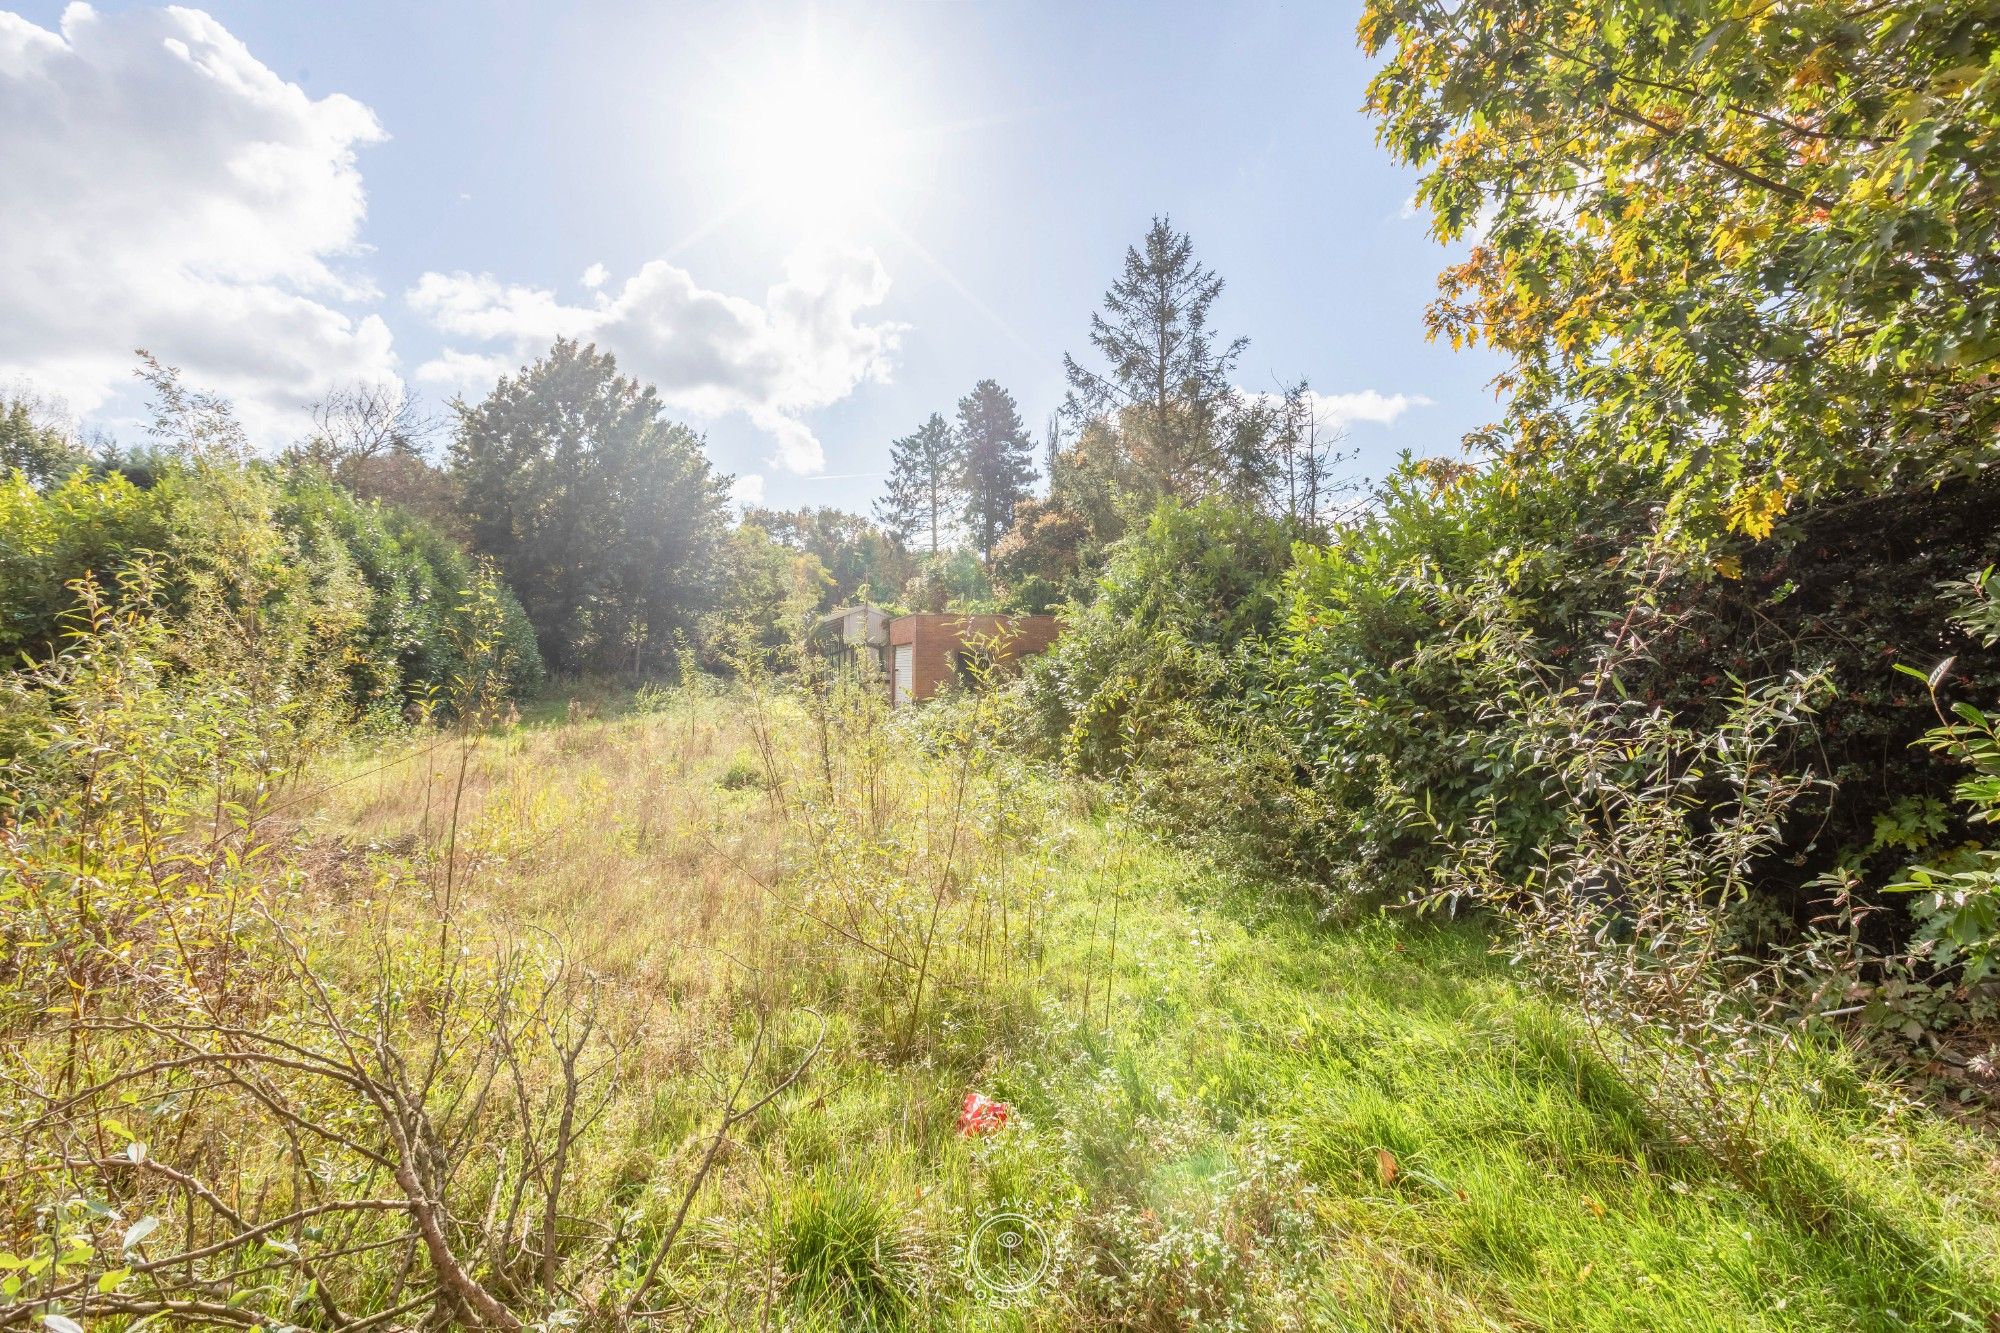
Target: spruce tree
[[996, 451], [1166, 385], [925, 485]]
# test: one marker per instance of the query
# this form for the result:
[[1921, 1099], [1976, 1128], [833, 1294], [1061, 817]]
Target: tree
[[1755, 249], [357, 423], [43, 453], [861, 561], [190, 423], [768, 590], [1046, 543], [1303, 452], [995, 466], [605, 517], [374, 439], [1167, 386], [925, 478]]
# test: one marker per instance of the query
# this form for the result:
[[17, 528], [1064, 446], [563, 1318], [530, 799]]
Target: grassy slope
[[1228, 1114]]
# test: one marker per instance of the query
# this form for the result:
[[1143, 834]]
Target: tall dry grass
[[561, 990]]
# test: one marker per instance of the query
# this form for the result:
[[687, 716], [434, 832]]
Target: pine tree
[[1167, 385], [41, 452], [925, 484], [996, 452]]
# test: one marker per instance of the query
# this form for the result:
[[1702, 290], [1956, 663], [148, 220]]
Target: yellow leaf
[[1755, 510]]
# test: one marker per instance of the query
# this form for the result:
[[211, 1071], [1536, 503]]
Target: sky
[[811, 225]]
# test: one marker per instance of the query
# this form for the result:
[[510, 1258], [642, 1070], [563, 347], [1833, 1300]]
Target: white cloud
[[747, 491], [594, 276], [1340, 410], [804, 346], [164, 188], [470, 374], [470, 306]]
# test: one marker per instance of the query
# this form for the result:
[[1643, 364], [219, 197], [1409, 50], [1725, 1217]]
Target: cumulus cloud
[[594, 276], [806, 345], [747, 491], [453, 373], [1338, 411], [1341, 410], [166, 189]]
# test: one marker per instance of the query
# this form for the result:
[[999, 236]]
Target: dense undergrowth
[[1554, 892], [663, 1009]]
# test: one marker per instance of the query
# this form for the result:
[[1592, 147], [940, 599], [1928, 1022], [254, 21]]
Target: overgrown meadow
[[662, 1009], [452, 876]]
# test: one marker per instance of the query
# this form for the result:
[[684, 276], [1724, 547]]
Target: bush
[[405, 652], [1376, 721], [1158, 684], [322, 581], [1957, 902], [86, 523], [1630, 897]]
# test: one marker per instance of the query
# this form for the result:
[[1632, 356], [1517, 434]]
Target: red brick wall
[[935, 639]]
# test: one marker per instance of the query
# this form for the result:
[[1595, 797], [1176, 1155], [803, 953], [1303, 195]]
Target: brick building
[[926, 653]]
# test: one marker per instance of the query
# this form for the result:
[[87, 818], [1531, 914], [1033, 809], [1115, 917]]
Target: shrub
[[1376, 720], [319, 580], [1628, 899], [87, 523], [1957, 896], [404, 652], [1179, 601], [1159, 684]]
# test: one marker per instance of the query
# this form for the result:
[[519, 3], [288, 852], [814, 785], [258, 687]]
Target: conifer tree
[[1166, 385], [995, 452], [925, 485]]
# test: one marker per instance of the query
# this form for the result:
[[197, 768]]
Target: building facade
[[927, 653]]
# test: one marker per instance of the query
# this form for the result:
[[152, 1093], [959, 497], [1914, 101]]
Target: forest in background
[[1681, 680]]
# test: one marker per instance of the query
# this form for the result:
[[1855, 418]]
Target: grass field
[[1227, 1113]]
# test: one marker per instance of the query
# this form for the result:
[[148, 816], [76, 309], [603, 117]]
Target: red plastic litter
[[982, 1115]]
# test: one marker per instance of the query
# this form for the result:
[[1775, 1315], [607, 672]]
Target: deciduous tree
[[1754, 247], [605, 516]]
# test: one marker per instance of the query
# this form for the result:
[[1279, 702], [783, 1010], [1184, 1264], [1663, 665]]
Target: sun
[[813, 135]]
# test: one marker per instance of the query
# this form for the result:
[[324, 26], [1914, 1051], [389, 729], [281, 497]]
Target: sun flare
[[815, 138]]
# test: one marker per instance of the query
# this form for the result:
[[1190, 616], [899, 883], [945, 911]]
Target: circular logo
[[1008, 1253]]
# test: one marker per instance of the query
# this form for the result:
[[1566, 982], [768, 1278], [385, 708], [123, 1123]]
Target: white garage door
[[899, 678]]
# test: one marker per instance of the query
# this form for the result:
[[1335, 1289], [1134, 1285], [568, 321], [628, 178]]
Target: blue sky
[[937, 193]]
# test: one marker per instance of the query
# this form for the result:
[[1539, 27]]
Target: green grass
[[1529, 1188], [1228, 1113]]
